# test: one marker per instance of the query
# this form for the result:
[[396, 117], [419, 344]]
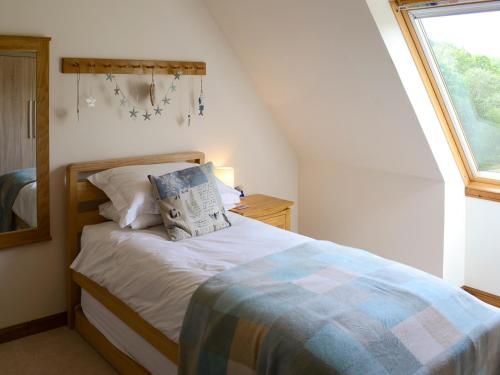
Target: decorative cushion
[[190, 203]]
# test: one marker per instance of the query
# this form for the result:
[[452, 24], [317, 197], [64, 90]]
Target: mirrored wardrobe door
[[24, 140], [18, 139]]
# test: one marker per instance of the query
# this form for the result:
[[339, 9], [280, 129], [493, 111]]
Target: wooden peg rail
[[104, 66]]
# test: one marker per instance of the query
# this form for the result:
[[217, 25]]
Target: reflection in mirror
[[18, 205]]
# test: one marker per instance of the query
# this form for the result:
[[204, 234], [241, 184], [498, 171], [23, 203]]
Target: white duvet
[[25, 204], [157, 277]]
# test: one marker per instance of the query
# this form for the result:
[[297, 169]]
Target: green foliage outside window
[[473, 83]]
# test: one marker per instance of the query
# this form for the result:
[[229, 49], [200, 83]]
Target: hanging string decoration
[[78, 94], [91, 100], [201, 99]]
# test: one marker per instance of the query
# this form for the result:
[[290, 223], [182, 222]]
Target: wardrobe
[[17, 111]]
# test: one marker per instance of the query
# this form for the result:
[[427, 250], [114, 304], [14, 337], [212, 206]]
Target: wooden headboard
[[83, 200]]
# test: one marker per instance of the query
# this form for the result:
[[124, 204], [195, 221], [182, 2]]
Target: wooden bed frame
[[83, 199], [20, 223]]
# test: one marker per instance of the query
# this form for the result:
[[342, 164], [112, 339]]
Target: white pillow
[[144, 221], [131, 193], [228, 197]]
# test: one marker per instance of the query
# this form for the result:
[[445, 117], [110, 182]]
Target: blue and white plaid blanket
[[321, 308]]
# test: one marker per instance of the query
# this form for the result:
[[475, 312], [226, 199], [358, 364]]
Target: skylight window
[[460, 45]]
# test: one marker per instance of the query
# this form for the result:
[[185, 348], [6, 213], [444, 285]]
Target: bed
[[115, 303], [83, 200], [18, 208], [24, 207]]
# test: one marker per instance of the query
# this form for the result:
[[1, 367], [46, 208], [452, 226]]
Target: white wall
[[453, 250], [237, 129], [483, 245], [389, 214], [368, 176]]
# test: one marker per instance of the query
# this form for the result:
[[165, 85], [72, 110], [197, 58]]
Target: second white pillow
[[143, 221]]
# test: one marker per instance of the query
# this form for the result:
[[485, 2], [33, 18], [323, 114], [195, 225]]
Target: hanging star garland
[[147, 112], [133, 113], [135, 109]]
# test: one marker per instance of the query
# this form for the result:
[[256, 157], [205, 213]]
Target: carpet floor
[[57, 352]]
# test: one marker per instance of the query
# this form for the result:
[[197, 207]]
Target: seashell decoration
[[91, 101], [152, 93]]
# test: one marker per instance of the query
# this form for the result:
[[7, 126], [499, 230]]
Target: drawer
[[276, 221]]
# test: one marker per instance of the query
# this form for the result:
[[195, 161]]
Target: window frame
[[477, 184]]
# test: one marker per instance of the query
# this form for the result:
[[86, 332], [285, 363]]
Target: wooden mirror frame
[[40, 46]]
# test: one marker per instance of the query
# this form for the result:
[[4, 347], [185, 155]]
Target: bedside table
[[270, 210]]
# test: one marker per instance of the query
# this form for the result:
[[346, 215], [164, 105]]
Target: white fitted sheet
[[156, 277], [25, 204], [125, 338]]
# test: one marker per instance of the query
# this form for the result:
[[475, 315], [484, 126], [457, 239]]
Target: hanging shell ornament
[[152, 93], [152, 90]]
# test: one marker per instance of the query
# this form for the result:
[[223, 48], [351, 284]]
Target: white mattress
[[156, 277], [25, 204], [125, 338]]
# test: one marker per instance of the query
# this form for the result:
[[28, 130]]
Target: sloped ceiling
[[323, 71]]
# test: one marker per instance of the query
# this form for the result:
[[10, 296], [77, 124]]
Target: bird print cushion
[[190, 203]]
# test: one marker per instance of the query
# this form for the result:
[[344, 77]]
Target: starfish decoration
[[177, 75], [109, 77], [117, 91], [158, 110], [173, 87], [147, 116], [133, 113], [123, 101], [90, 102], [165, 100]]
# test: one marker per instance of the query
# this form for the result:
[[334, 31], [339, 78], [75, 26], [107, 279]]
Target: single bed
[[174, 271], [24, 207], [83, 200], [18, 206], [131, 292]]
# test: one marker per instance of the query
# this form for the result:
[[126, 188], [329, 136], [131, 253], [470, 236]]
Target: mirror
[[24, 155]]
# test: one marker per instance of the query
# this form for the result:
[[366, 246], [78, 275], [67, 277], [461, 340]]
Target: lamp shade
[[225, 174]]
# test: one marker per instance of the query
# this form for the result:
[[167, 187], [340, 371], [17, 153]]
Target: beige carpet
[[59, 352]]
